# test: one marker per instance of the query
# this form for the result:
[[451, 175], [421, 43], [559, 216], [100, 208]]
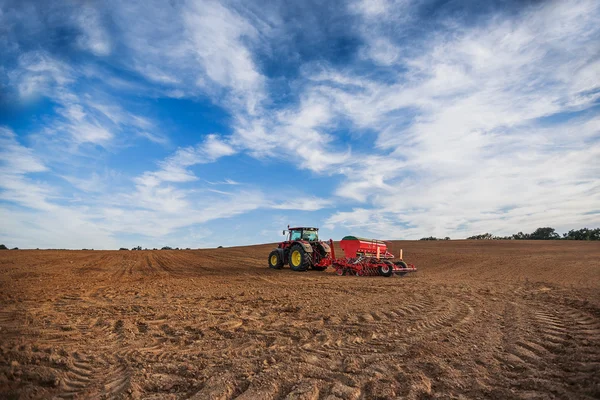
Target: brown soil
[[479, 320]]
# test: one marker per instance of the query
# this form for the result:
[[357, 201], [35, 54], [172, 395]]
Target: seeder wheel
[[387, 269], [402, 265]]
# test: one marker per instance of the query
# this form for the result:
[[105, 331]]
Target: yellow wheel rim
[[296, 258], [273, 259]]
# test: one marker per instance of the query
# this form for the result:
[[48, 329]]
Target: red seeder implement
[[364, 257]]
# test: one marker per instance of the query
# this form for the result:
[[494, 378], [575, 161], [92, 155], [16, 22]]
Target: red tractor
[[302, 251]]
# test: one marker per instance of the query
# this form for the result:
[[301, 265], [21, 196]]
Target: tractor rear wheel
[[387, 269], [275, 260], [299, 259]]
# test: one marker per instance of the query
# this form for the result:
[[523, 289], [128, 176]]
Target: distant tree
[[136, 248], [503, 237], [544, 234], [447, 238], [123, 248], [429, 238], [485, 236], [220, 247], [15, 248], [187, 248], [155, 248], [582, 234], [166, 248], [521, 236], [3, 247]]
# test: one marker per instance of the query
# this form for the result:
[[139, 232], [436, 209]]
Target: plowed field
[[479, 320]]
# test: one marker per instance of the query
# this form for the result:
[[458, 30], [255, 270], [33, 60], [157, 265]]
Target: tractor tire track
[[544, 343], [78, 378]]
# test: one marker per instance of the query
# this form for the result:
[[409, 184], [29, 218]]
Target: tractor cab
[[303, 233]]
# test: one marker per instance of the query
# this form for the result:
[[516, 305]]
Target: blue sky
[[206, 123]]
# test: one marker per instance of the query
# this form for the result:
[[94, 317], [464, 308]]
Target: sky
[[207, 123]]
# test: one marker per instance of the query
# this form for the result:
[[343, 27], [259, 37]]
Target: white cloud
[[30, 216], [214, 148], [38, 73], [224, 182], [382, 51], [154, 137], [298, 132], [473, 158], [17, 159], [194, 48], [16, 162], [460, 132], [33, 208], [174, 168], [304, 204], [85, 118], [217, 35], [26, 229], [93, 37], [375, 8]]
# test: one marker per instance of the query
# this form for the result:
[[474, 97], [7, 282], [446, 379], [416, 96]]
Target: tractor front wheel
[[275, 260], [299, 259]]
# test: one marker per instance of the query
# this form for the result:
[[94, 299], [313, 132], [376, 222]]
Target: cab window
[[295, 235], [310, 236]]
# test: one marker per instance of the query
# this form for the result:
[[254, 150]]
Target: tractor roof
[[304, 227]]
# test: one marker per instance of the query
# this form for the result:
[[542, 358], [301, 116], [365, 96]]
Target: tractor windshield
[[310, 236], [304, 234]]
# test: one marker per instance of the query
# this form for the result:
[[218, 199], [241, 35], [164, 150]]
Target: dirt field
[[479, 320]]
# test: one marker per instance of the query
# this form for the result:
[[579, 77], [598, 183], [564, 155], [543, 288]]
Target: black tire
[[401, 264], [387, 269], [275, 260], [299, 259]]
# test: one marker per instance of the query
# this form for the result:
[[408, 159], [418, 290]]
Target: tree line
[[545, 233]]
